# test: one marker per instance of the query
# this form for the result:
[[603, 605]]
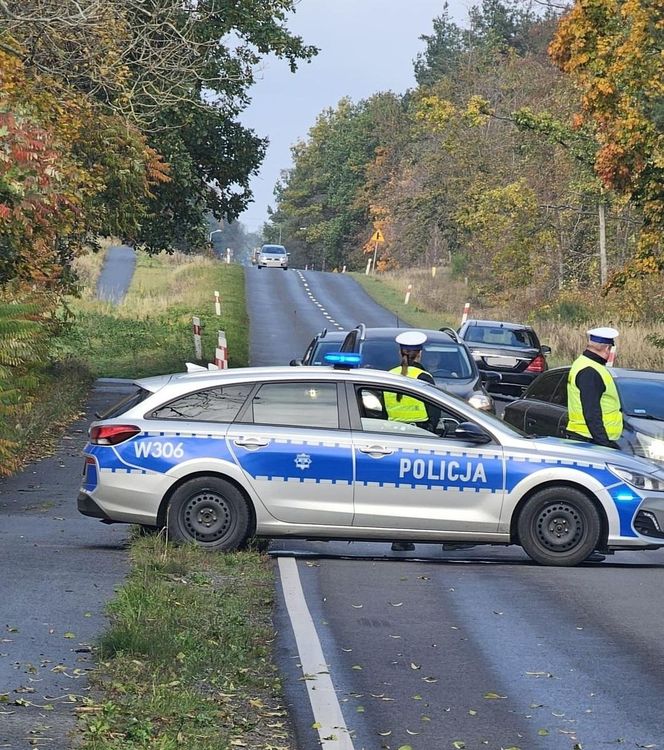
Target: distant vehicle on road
[[218, 456], [543, 409], [511, 349], [445, 357], [272, 256]]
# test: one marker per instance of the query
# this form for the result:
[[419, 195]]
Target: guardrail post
[[198, 342]]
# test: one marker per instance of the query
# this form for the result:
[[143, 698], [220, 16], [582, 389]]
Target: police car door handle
[[251, 442], [376, 451]]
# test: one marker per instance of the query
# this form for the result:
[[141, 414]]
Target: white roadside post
[[368, 271], [466, 313], [228, 255], [408, 293], [433, 272], [221, 352], [217, 304], [343, 270], [198, 341]]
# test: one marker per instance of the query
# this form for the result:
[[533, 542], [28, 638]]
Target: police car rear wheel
[[211, 512], [559, 526]]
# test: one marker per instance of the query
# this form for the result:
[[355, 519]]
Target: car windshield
[[323, 348], [642, 397], [441, 359], [519, 338], [274, 249]]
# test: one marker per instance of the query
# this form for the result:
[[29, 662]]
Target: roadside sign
[[377, 236]]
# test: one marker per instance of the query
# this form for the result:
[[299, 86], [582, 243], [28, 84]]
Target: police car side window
[[211, 405], [297, 405]]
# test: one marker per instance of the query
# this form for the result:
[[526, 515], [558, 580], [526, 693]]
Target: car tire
[[210, 512], [559, 526], [259, 267]]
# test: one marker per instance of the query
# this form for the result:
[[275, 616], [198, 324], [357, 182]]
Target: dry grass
[[439, 301]]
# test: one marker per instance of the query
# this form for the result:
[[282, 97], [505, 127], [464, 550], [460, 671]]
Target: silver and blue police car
[[217, 457]]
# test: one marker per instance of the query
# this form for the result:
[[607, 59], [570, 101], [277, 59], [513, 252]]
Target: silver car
[[217, 457], [273, 256]]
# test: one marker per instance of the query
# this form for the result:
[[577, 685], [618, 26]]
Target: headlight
[[651, 447], [641, 481], [481, 401]]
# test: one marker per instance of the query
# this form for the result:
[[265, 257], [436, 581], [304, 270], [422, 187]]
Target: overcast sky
[[365, 46]]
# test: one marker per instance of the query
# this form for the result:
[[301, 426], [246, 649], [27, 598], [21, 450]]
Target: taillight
[[112, 434], [537, 365]]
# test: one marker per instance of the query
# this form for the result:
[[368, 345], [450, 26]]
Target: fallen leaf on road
[[396, 604], [543, 732], [347, 650], [357, 606], [356, 666], [430, 680], [412, 734], [459, 744], [385, 734], [472, 712], [494, 696], [69, 635], [415, 666]]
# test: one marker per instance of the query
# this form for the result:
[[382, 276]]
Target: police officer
[[593, 403], [402, 408]]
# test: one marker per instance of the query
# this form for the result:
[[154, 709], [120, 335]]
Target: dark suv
[[445, 357], [510, 349]]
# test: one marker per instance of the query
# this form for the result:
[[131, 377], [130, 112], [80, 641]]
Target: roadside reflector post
[[343, 270], [368, 271], [221, 352], [198, 342], [466, 313], [610, 362], [433, 272], [217, 304], [408, 293]]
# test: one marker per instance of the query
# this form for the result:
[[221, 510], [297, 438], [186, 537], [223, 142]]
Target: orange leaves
[[613, 52]]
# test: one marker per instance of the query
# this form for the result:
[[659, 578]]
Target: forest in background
[[528, 159]]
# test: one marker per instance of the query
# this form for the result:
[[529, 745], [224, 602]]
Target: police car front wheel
[[559, 526], [211, 512]]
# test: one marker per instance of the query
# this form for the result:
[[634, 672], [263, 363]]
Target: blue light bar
[[343, 359]]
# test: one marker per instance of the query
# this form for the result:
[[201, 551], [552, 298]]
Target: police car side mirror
[[295, 362], [471, 433]]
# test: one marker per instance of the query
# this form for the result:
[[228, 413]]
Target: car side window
[[387, 411], [219, 404], [296, 405], [560, 394], [544, 387]]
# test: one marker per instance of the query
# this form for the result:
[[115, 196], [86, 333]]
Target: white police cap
[[603, 335], [411, 339]]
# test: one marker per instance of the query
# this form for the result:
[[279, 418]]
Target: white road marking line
[[324, 702]]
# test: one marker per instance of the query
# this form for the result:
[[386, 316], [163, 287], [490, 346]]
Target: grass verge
[[150, 332], [186, 662]]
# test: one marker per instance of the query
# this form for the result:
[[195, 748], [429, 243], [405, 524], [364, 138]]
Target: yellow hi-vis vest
[[408, 409], [609, 403]]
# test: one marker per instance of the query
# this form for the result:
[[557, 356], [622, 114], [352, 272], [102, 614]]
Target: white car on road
[[273, 256]]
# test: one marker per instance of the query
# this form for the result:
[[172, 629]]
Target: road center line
[[325, 705]]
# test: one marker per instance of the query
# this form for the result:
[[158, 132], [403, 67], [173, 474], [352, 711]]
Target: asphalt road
[[480, 648], [116, 274]]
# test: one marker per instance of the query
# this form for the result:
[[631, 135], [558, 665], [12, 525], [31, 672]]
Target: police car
[[216, 457]]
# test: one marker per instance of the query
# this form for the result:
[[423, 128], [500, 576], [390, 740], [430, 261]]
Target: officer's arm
[[433, 412], [591, 386]]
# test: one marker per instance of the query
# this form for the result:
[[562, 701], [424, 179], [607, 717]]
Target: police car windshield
[[642, 397]]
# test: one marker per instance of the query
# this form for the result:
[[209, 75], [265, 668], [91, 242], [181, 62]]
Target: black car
[[543, 409], [444, 356], [511, 349]]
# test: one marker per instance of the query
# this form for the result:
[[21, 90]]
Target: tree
[[612, 51]]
